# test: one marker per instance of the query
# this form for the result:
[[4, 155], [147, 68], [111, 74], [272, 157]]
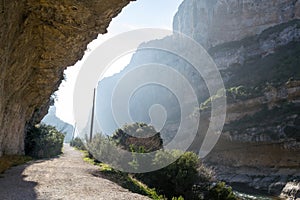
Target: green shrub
[[43, 141], [178, 198], [124, 179], [78, 144], [176, 179], [135, 138], [221, 192], [103, 149], [138, 137], [185, 178]]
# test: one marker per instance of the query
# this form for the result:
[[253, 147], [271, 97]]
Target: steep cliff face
[[256, 46], [39, 39], [213, 22], [260, 142]]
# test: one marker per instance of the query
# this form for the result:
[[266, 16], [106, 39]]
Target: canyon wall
[[213, 22], [256, 46], [39, 39]]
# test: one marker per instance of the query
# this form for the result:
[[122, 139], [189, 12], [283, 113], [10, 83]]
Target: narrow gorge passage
[[66, 177]]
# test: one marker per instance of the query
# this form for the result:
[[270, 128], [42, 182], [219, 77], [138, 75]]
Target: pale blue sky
[[148, 13], [138, 14]]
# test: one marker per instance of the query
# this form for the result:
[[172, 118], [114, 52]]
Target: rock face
[[39, 39], [291, 191], [213, 22], [264, 44], [256, 46]]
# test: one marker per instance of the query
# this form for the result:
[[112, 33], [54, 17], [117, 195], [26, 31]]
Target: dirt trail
[[66, 177]]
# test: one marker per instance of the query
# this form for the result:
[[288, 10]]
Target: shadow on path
[[13, 185], [65, 177]]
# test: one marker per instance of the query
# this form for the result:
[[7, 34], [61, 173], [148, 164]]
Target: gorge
[[254, 43], [256, 46]]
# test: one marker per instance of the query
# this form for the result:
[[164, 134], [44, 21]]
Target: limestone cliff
[[39, 39], [256, 46], [213, 22]]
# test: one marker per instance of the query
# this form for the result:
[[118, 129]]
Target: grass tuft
[[7, 162], [125, 180]]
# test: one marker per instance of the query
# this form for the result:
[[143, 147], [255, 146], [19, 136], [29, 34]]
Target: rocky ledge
[[39, 39]]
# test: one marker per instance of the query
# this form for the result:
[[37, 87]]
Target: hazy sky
[[138, 14]]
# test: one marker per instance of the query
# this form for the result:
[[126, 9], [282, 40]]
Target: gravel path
[[66, 177]]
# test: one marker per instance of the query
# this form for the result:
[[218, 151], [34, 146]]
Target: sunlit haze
[[138, 14]]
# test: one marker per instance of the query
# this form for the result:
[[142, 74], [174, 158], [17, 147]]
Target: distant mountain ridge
[[64, 127]]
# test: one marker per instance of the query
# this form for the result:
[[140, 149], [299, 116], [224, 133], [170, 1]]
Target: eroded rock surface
[[291, 191], [213, 22], [39, 39], [256, 46]]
